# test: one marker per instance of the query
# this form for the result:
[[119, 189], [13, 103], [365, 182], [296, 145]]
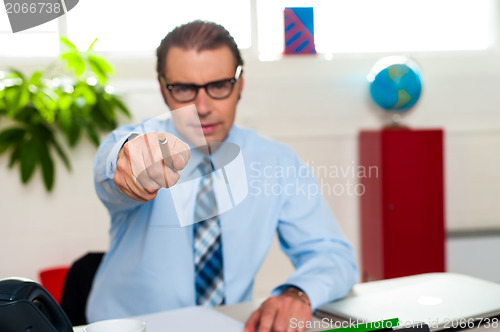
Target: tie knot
[[205, 166]]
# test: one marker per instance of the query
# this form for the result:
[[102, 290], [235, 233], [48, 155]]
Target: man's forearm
[[104, 169]]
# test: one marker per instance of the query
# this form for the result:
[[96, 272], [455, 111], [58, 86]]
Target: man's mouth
[[208, 128]]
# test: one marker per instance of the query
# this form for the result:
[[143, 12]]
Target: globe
[[395, 83]]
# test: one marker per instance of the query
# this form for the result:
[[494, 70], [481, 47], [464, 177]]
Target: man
[[152, 266]]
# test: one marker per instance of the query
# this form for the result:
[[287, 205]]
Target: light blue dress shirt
[[149, 265]]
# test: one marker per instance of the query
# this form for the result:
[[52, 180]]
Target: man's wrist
[[296, 293], [131, 137]]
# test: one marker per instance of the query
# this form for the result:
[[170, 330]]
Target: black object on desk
[[420, 328], [25, 306]]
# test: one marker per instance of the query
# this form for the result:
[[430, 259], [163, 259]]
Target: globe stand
[[396, 122], [396, 119]]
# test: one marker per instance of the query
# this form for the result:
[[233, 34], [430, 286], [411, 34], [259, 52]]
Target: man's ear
[[163, 91], [242, 84]]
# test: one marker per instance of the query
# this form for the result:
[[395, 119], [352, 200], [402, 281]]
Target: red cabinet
[[402, 206]]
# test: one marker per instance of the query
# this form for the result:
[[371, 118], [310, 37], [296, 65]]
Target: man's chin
[[211, 139], [197, 140]]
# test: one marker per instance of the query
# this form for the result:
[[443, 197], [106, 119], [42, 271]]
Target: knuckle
[[287, 300], [121, 165], [155, 173], [151, 196], [121, 188], [171, 180], [125, 150], [267, 316], [150, 190], [119, 181]]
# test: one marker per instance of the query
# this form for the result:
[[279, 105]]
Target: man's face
[[215, 115]]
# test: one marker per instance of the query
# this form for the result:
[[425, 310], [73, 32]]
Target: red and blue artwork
[[299, 30]]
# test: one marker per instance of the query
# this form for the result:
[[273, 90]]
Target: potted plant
[[44, 113]]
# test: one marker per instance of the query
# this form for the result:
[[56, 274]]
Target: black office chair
[[77, 287]]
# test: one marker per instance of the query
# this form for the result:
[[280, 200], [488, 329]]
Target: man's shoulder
[[159, 123], [252, 142]]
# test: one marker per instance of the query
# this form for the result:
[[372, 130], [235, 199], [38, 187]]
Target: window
[[129, 27], [124, 26], [138, 26], [42, 40], [384, 25]]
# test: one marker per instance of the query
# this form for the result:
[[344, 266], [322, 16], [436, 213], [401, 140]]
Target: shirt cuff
[[113, 155], [306, 287], [280, 289]]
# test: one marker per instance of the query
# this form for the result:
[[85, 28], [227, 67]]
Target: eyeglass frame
[[231, 80]]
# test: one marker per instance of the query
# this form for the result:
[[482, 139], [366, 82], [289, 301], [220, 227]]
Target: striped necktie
[[209, 281]]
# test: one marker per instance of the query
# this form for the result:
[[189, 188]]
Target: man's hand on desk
[[141, 167], [277, 312]]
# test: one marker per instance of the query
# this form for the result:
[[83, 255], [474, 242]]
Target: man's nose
[[202, 103]]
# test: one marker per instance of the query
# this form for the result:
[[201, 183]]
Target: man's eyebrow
[[191, 83], [180, 83]]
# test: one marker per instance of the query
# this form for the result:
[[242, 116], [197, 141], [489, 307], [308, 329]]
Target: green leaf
[[13, 73], [105, 107], [36, 78], [45, 101], [91, 45], [69, 44], [90, 95], [47, 165], [61, 153], [65, 100], [28, 158], [64, 116], [15, 155], [100, 67], [4, 147], [99, 120], [3, 108], [11, 134], [74, 62], [9, 137], [16, 98], [74, 135], [91, 133], [85, 98], [28, 115], [121, 106]]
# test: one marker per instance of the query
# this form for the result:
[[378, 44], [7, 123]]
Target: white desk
[[242, 311]]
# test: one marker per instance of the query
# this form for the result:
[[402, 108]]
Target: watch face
[[300, 295]]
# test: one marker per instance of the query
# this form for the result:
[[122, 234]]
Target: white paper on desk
[[191, 319]]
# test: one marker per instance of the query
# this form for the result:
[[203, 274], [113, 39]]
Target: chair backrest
[[77, 287], [52, 279]]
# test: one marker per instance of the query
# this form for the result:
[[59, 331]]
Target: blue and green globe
[[395, 83]]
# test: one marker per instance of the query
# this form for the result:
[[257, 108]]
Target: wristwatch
[[297, 293]]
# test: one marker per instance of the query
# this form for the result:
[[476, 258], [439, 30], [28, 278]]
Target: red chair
[[52, 279]]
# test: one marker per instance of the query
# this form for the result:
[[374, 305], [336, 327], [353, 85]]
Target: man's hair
[[197, 35]]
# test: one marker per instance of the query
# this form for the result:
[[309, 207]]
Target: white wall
[[317, 106]]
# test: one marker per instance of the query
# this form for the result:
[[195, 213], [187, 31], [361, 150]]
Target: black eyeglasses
[[221, 89]]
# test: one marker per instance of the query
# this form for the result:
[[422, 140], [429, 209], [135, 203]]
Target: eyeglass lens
[[216, 90]]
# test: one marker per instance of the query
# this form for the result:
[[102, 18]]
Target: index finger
[[179, 152], [253, 321], [165, 152], [267, 316]]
